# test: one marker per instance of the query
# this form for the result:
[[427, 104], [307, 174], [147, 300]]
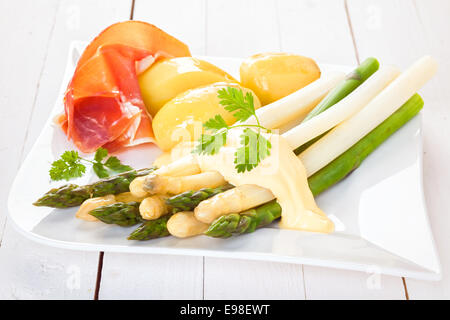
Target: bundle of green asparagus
[[72, 195]]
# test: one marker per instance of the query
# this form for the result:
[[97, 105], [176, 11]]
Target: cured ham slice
[[103, 105]]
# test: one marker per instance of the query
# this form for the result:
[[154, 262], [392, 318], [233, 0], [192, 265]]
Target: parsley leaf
[[254, 148], [70, 165], [233, 99], [100, 154], [114, 164], [215, 124], [210, 144], [100, 170], [67, 167]]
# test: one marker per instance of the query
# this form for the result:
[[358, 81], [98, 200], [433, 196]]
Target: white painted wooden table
[[35, 40]]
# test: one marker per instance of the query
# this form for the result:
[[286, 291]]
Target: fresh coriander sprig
[[253, 146], [70, 165]]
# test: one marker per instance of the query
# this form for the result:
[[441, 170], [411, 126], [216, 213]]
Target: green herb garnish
[[253, 147], [70, 165]]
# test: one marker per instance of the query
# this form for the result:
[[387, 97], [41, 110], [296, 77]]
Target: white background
[[35, 41]]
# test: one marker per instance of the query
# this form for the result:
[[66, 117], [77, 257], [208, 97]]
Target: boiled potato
[[181, 119], [273, 76], [169, 77]]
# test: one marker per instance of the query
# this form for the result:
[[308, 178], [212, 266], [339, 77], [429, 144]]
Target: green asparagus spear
[[343, 165], [352, 81], [72, 195], [69, 195], [151, 229], [120, 213], [188, 200], [244, 222]]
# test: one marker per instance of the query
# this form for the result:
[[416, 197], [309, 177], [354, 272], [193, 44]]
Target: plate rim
[[426, 274]]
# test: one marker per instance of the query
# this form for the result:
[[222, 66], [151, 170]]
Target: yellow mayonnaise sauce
[[281, 172]]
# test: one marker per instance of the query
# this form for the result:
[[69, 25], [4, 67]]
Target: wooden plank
[[157, 276], [28, 269], [325, 283], [242, 279], [433, 17], [428, 26], [184, 20], [239, 29], [320, 29], [416, 28], [19, 79], [134, 276]]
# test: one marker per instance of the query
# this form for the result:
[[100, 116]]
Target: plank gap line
[[277, 21], [205, 2], [405, 287], [304, 284], [349, 20], [414, 2], [132, 9], [203, 279], [98, 281]]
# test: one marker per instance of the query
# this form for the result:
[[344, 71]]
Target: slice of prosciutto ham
[[103, 106]]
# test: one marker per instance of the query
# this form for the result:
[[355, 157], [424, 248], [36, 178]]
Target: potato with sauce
[[273, 76], [181, 119], [170, 77]]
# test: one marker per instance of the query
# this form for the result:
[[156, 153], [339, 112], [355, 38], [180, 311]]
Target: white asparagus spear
[[137, 187], [297, 104], [153, 207], [184, 166], [234, 200], [183, 224], [379, 109], [91, 204], [127, 197], [156, 184], [342, 110]]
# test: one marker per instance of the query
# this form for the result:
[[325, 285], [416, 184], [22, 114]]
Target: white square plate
[[379, 210]]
